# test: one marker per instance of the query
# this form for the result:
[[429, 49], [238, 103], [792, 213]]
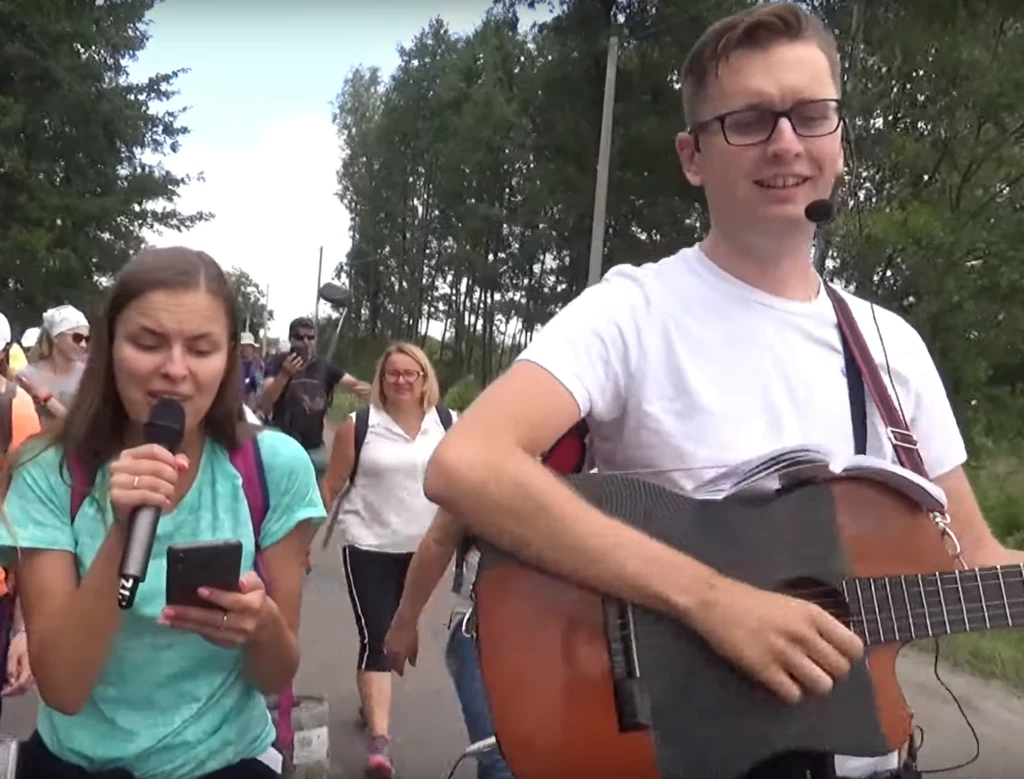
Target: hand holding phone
[[213, 564], [231, 609]]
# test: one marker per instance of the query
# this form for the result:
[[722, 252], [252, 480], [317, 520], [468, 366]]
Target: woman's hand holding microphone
[[144, 476], [148, 476]]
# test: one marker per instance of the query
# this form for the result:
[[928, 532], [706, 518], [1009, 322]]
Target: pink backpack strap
[[247, 461], [82, 479]]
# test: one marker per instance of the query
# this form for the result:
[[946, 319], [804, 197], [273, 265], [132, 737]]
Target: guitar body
[[547, 654]]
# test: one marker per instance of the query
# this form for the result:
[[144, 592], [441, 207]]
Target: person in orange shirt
[[18, 422]]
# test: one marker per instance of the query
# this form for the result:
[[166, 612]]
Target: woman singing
[[384, 515], [158, 692]]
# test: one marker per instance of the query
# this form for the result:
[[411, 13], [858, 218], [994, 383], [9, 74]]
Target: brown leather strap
[[898, 431]]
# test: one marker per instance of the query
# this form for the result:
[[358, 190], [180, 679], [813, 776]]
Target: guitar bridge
[[632, 704]]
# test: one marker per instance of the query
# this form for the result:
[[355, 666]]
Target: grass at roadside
[[998, 654], [344, 404]]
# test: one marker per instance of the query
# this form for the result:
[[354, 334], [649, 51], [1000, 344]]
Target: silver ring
[[135, 483], [224, 621]]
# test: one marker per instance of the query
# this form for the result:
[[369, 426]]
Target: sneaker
[[378, 763]]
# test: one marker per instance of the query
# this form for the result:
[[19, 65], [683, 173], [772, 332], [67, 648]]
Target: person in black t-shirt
[[297, 391]]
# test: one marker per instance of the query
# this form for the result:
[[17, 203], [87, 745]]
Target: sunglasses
[[80, 339]]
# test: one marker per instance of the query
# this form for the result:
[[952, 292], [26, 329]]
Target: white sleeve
[[591, 345], [931, 419]]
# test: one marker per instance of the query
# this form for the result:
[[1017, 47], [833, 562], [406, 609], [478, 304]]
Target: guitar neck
[[889, 609]]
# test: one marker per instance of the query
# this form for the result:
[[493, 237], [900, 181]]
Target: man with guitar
[[726, 350]]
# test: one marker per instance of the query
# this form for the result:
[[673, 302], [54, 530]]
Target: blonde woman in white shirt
[[384, 514]]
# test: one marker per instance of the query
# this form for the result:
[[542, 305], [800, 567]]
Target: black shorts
[[375, 581], [35, 761]]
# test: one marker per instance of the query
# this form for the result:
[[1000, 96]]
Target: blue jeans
[[464, 666]]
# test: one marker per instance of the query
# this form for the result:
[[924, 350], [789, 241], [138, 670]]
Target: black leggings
[[36, 761], [375, 581]]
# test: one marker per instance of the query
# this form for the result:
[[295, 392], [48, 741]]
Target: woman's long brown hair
[[96, 426]]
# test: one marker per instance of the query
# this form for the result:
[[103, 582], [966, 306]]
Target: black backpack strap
[[858, 402], [7, 417], [445, 415], [362, 426]]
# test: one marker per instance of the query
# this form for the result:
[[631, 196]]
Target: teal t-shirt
[[168, 704]]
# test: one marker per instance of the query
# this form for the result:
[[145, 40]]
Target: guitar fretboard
[[905, 608]]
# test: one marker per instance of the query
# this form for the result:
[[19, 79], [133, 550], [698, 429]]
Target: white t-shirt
[[386, 509], [679, 365], [63, 387]]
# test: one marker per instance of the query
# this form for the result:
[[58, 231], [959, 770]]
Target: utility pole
[[316, 304], [604, 152]]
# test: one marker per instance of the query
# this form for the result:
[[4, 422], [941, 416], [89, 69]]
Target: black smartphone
[[214, 564]]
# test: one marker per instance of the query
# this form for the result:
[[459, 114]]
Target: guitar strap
[[858, 355], [896, 427]]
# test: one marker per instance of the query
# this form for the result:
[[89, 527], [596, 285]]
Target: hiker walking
[[382, 452]]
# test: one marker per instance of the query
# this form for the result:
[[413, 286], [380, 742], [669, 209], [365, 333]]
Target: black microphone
[[166, 427], [820, 211]]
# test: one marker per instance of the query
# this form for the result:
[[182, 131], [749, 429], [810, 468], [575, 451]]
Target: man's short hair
[[300, 323], [756, 28]]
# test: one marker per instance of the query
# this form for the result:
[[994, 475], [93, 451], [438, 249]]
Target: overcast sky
[[262, 75]]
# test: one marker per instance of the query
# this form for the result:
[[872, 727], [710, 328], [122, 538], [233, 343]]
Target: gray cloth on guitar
[[715, 722]]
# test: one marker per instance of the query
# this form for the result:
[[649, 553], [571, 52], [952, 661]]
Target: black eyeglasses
[[80, 339], [751, 126], [303, 337]]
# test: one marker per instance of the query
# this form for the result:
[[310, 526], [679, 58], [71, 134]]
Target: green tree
[[470, 173], [250, 303], [933, 218], [80, 148]]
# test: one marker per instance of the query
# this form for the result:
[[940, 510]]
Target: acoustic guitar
[[586, 686]]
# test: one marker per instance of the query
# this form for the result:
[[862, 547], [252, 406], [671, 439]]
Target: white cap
[[247, 339], [29, 337], [5, 332], [63, 318]]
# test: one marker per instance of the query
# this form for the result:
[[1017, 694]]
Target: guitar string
[[909, 586], [953, 614], [947, 580]]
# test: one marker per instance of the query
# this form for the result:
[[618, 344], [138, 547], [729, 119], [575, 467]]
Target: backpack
[[567, 455], [363, 427], [247, 461], [304, 405], [8, 594], [7, 419]]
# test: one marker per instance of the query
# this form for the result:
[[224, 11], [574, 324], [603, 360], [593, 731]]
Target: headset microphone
[[820, 211]]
